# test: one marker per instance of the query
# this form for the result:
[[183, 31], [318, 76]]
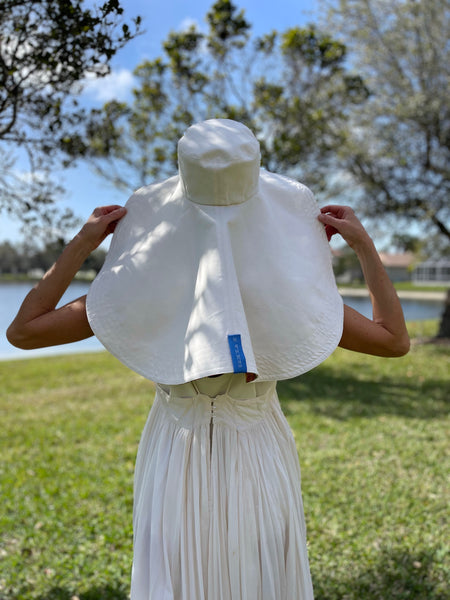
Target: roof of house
[[400, 260]]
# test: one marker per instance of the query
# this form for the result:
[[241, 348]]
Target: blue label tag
[[237, 354]]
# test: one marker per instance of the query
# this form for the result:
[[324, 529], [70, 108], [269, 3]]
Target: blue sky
[[84, 189]]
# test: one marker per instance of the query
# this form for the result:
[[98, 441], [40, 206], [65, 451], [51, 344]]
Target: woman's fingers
[[342, 220], [332, 223], [113, 217], [109, 213], [101, 223], [334, 213], [330, 231]]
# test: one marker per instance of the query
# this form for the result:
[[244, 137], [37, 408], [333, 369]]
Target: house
[[398, 266], [432, 272], [347, 269]]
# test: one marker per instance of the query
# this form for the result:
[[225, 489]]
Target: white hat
[[221, 268]]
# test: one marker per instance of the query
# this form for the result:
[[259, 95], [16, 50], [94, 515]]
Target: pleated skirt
[[218, 511]]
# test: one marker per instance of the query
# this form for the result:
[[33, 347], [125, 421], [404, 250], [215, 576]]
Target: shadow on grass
[[109, 592], [397, 575], [342, 396]]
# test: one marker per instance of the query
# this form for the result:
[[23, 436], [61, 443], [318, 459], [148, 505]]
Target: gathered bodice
[[227, 400]]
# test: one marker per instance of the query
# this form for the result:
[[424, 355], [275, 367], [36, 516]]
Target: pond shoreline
[[406, 294], [420, 294], [417, 305]]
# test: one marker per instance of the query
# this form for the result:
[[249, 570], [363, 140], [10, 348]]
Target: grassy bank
[[406, 286], [371, 435], [88, 276]]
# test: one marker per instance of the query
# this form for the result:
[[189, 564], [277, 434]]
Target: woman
[[218, 282]]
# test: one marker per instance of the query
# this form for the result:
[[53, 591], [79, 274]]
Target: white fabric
[[222, 249], [218, 511], [219, 163], [220, 269]]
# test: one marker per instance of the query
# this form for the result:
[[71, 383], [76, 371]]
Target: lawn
[[372, 436]]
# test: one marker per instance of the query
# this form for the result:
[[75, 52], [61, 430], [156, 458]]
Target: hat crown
[[219, 162]]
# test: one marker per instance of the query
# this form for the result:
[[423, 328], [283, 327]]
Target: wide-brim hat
[[221, 268]]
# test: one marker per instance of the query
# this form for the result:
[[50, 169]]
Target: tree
[[434, 247], [291, 88], [405, 242], [444, 325], [397, 148], [30, 255], [9, 258], [46, 48]]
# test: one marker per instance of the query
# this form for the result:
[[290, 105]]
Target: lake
[[12, 294]]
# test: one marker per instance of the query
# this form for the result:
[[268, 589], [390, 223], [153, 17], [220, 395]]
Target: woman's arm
[[38, 323], [386, 333]]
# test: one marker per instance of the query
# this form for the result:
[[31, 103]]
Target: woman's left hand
[[100, 224], [38, 323]]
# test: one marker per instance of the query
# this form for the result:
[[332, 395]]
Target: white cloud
[[29, 177], [187, 23], [115, 86]]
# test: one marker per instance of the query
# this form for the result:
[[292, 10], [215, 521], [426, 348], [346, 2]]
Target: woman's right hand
[[385, 334], [100, 224]]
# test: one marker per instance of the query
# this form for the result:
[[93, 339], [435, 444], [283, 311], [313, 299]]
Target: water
[[12, 294], [414, 310]]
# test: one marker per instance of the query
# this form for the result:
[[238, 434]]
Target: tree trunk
[[444, 327]]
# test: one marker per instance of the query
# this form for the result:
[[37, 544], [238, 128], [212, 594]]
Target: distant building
[[432, 272], [36, 273], [399, 267], [346, 266]]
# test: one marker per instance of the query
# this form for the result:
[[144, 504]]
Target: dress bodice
[[226, 399]]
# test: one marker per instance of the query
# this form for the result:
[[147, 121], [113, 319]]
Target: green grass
[[400, 285], [408, 285], [371, 435]]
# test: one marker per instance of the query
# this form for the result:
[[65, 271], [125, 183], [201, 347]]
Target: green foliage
[[10, 259], [46, 48], [312, 49], [372, 439], [181, 49], [345, 261], [227, 28], [19, 260], [291, 88]]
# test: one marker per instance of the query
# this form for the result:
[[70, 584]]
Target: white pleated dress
[[218, 511]]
